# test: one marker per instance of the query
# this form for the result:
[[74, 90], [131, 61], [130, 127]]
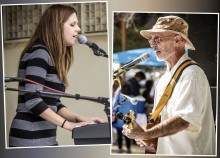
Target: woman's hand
[[92, 120], [70, 125], [75, 118], [97, 120]]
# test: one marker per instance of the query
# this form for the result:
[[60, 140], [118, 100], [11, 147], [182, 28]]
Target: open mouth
[[157, 52]]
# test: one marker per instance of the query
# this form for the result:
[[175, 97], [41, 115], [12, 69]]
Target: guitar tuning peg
[[120, 115], [126, 118]]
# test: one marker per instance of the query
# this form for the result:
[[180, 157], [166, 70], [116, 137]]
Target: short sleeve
[[59, 105], [191, 101]]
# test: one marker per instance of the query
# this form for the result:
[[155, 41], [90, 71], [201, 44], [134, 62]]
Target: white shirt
[[191, 100]]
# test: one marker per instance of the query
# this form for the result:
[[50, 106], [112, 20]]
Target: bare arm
[[72, 117], [56, 119], [167, 127]]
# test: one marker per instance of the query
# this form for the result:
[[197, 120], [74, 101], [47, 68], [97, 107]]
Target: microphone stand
[[122, 70], [116, 74], [101, 100]]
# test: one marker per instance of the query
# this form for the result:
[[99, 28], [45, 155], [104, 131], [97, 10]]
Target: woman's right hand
[[70, 125]]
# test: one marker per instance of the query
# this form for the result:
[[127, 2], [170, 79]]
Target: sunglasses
[[157, 39]]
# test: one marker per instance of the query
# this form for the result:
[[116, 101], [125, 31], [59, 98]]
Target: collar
[[182, 59]]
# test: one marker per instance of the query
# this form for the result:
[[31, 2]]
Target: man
[[135, 82], [187, 125]]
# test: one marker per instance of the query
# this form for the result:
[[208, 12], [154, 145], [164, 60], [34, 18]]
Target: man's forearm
[[167, 127]]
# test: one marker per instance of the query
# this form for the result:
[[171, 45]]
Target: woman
[[47, 60]]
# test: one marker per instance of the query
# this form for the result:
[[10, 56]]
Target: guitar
[[151, 144]]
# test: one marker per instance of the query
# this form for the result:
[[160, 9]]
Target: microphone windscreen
[[145, 57], [133, 101], [82, 39]]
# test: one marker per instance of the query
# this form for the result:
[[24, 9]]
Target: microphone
[[13, 79], [97, 51], [130, 64], [133, 101]]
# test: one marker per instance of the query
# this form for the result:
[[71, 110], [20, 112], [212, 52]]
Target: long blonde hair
[[49, 33]]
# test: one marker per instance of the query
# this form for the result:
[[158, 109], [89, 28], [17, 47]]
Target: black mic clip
[[98, 51], [106, 102]]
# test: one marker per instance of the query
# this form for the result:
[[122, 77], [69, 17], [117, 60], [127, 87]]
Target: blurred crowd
[[139, 87]]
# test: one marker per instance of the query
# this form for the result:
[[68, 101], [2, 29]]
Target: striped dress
[[28, 128]]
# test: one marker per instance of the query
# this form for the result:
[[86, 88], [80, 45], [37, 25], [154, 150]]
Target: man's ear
[[178, 40]]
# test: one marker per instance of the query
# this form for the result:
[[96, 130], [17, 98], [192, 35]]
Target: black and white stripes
[[28, 128]]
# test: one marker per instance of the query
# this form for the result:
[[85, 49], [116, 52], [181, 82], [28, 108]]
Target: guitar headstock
[[130, 115], [127, 118]]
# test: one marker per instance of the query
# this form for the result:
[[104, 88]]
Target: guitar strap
[[169, 89]]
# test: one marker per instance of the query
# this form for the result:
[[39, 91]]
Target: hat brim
[[147, 34]]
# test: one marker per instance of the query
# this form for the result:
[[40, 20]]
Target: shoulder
[[194, 71], [37, 52], [195, 74]]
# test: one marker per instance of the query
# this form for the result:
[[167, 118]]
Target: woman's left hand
[[97, 120]]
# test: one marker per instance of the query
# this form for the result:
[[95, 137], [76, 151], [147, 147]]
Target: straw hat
[[173, 24]]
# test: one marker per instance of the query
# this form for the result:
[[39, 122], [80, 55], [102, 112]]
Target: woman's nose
[[78, 29]]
